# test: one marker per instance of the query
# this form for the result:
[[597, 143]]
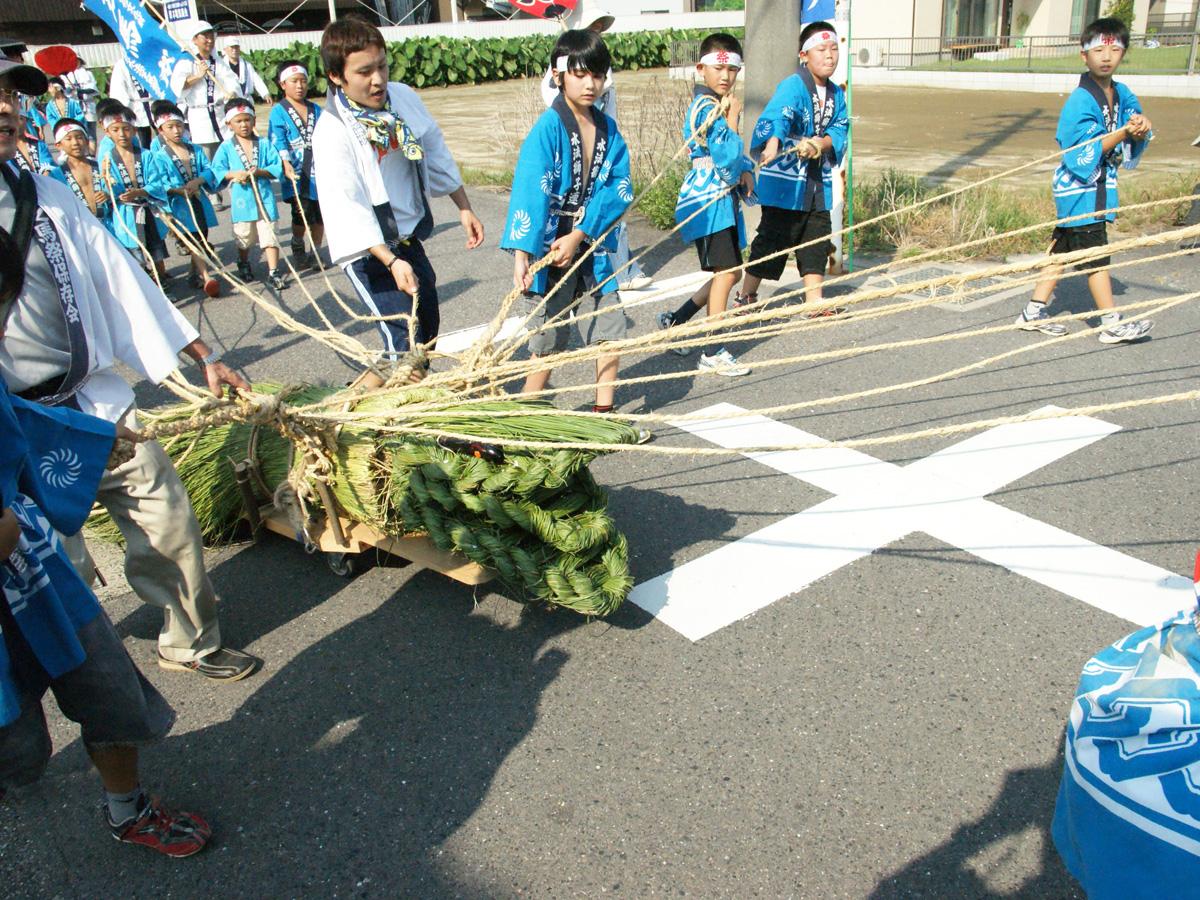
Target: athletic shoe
[[1126, 332], [1041, 322], [220, 665], [825, 312], [723, 363], [741, 301], [644, 435], [277, 279], [636, 283], [1196, 142], [194, 280], [174, 834], [245, 270], [665, 321]]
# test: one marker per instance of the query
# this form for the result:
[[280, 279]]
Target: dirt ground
[[944, 134]]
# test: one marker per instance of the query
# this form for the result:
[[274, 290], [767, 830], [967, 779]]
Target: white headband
[[236, 109], [292, 72], [722, 58], [168, 117], [563, 64], [66, 128], [1104, 40], [116, 118], [817, 38]]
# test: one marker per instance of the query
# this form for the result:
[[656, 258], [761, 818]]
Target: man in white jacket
[[249, 83], [86, 305], [133, 96], [202, 86], [379, 156]]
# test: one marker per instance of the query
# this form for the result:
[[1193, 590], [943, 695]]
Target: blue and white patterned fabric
[[718, 162], [1077, 180], [1127, 823], [51, 462], [791, 116], [163, 174], [544, 180], [242, 197], [127, 216], [292, 144]]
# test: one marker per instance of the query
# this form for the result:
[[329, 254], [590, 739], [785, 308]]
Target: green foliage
[[658, 203], [437, 61], [1121, 9]]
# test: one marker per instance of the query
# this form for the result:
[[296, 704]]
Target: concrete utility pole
[[772, 45]]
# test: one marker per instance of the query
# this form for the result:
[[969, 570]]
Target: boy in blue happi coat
[[292, 123], [571, 185], [180, 171], [53, 634], [248, 164], [59, 107], [1085, 183], [801, 137], [79, 171], [123, 167], [32, 155], [709, 207]]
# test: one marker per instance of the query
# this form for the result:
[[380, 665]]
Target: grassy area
[[1159, 61]]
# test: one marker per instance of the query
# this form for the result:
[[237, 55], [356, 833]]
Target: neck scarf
[[383, 130]]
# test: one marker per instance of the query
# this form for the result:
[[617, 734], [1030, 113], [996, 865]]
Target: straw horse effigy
[[504, 480]]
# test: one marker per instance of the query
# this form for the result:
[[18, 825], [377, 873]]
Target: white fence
[[100, 55]]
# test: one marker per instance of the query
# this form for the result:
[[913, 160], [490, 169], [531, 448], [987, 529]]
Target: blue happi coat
[[718, 163], [51, 462], [103, 209], [74, 111], [1086, 180], [243, 205], [125, 215], [1127, 821], [790, 116], [165, 176], [544, 180], [288, 142]]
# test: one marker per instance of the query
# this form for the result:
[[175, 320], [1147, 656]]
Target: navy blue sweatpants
[[377, 288]]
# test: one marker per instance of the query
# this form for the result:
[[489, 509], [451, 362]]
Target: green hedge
[[439, 61]]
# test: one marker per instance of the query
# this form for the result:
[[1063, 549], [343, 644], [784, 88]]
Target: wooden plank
[[416, 548]]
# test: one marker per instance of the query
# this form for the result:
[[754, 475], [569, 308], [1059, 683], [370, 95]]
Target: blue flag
[[817, 11], [150, 53]]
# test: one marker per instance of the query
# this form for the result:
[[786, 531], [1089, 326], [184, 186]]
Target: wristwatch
[[212, 359]]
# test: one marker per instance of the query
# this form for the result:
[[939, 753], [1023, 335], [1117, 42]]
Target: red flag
[[56, 60], [544, 9]]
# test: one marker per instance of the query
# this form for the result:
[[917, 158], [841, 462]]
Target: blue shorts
[[377, 288]]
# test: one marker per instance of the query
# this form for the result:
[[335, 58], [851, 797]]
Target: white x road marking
[[877, 503]]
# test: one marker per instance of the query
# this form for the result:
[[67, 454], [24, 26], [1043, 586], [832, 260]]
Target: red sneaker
[[175, 834]]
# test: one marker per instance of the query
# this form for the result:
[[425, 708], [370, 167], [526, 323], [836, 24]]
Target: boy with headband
[[293, 120], [123, 167], [79, 171], [1086, 180]]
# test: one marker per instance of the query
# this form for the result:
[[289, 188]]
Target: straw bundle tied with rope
[[504, 481]]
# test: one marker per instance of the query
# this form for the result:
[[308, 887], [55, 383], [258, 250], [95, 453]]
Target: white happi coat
[[194, 100], [125, 315]]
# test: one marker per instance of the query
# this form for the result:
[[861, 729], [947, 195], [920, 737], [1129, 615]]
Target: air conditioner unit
[[868, 56]]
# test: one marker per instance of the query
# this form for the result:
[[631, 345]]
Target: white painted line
[[877, 502]]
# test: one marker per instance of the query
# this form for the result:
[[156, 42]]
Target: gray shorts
[[610, 325], [106, 695]]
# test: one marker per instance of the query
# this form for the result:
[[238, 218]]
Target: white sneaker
[[723, 363], [636, 283], [1126, 332], [1041, 322]]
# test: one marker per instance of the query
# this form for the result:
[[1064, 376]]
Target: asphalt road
[[893, 730]]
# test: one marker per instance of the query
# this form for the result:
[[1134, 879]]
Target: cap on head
[[233, 41], [29, 80], [586, 14], [189, 28]]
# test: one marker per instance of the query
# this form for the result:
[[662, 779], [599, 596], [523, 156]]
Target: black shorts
[[719, 251], [1082, 237], [781, 229], [312, 211]]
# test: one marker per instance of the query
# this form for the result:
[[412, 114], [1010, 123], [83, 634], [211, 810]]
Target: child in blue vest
[[180, 171], [801, 136], [248, 164], [720, 169], [123, 167], [292, 123], [79, 171], [1086, 180]]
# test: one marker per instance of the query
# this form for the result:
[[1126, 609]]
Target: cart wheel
[[346, 565]]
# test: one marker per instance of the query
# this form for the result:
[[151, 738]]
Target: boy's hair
[[54, 79], [288, 63], [162, 108], [812, 28], [583, 49], [108, 107], [719, 41], [345, 36], [1105, 27]]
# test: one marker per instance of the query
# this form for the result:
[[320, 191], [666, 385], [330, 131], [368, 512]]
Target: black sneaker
[[220, 665], [245, 272], [276, 279]]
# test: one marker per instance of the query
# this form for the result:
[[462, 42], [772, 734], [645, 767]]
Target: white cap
[[189, 28], [233, 41], [587, 13]]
